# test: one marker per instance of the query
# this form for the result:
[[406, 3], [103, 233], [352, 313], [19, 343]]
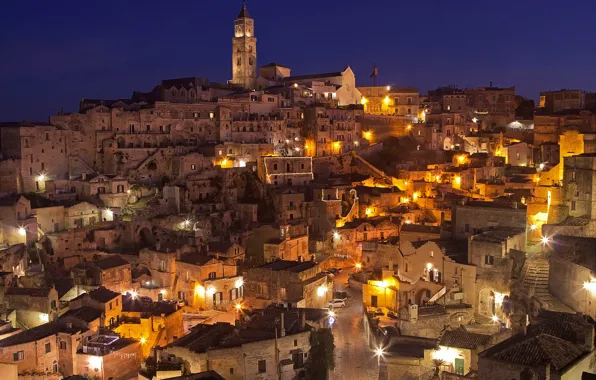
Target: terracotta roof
[[540, 350], [463, 339]]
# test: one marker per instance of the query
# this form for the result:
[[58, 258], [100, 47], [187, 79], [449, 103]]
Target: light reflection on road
[[353, 358]]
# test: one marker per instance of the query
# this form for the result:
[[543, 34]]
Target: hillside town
[[299, 226]]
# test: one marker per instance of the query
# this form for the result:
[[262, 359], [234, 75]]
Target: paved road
[[353, 358]]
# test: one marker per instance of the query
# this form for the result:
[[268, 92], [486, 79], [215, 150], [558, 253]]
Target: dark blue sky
[[52, 53]]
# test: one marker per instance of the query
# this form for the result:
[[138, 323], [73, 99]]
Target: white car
[[337, 303]]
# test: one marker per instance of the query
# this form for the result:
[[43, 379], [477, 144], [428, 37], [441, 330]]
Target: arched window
[[162, 265]]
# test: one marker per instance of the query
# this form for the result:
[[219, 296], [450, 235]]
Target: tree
[[322, 353]]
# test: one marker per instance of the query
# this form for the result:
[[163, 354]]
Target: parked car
[[337, 303]]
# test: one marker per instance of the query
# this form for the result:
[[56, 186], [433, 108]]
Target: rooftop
[[31, 292], [102, 294], [498, 235], [290, 266], [40, 332], [463, 339]]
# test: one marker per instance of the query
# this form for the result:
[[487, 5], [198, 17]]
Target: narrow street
[[353, 358]]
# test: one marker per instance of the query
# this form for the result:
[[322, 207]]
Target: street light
[[545, 240], [358, 266]]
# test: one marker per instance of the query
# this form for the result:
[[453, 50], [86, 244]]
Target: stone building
[[557, 346], [555, 101], [474, 217], [50, 347], [111, 272], [494, 106], [293, 282], [109, 303], [495, 253], [38, 153], [244, 51], [249, 351], [285, 171], [572, 272], [33, 306], [332, 130], [109, 356], [17, 224], [155, 323], [391, 100]]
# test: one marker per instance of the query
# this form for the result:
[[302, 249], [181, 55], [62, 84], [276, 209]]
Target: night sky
[[53, 53]]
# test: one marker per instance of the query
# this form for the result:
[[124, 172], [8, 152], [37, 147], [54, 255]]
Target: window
[[274, 166], [116, 301], [20, 355], [212, 275], [48, 348], [295, 342], [193, 167], [489, 260], [162, 265], [231, 370], [572, 205], [47, 137], [573, 176], [467, 228], [262, 366], [62, 345], [111, 306]]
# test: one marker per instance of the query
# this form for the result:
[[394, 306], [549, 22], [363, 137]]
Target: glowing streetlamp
[[358, 266], [545, 240], [495, 318], [143, 340], [22, 231], [533, 227], [367, 135]]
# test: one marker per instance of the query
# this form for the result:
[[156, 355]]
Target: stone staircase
[[535, 279], [534, 283]]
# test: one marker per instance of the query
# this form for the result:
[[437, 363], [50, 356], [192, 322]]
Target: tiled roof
[[463, 339], [540, 350], [109, 262], [85, 313], [32, 292], [40, 332], [102, 294]]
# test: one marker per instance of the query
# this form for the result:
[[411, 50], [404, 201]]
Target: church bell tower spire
[[244, 50]]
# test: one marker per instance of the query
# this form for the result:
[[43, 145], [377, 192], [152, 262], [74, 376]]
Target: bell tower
[[244, 50]]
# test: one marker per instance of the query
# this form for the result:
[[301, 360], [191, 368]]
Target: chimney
[[283, 329]]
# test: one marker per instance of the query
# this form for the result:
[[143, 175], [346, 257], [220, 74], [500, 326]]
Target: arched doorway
[[146, 237]]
